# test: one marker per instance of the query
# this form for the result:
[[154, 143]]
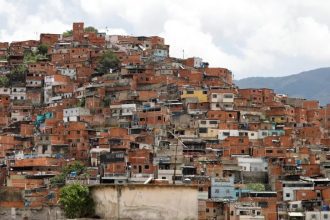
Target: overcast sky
[[250, 37]]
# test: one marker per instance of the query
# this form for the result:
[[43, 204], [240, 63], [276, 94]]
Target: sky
[[249, 37]]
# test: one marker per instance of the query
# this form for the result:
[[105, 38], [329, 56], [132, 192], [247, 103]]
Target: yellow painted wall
[[196, 94]]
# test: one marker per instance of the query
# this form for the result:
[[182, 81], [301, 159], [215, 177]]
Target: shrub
[[76, 201]]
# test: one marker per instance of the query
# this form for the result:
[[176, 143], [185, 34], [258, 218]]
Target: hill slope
[[313, 84]]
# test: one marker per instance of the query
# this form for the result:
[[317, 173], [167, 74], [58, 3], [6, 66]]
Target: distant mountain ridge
[[313, 84]]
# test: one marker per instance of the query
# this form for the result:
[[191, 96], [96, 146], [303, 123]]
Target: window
[[228, 96], [325, 216], [216, 191], [190, 92], [214, 96], [202, 130], [146, 167], [313, 216], [269, 151], [207, 210], [287, 195], [263, 204], [204, 92], [213, 122], [159, 118]]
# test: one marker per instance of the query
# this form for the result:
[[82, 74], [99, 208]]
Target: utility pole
[[175, 159], [176, 152]]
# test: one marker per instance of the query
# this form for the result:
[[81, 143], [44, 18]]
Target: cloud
[[261, 37]]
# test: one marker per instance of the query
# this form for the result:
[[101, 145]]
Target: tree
[[4, 81], [108, 61], [81, 102], [76, 166], [90, 29], [17, 75], [59, 180], [67, 33], [29, 57], [76, 201], [43, 49]]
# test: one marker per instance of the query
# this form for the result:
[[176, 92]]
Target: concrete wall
[[145, 202], [46, 213]]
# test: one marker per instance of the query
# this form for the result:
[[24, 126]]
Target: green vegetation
[[256, 187], [67, 33], [4, 81], [31, 57], [43, 49], [106, 101], [108, 61], [59, 180], [81, 102], [17, 75], [76, 201], [90, 29]]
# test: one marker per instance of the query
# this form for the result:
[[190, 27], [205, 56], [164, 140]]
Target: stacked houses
[[157, 119]]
